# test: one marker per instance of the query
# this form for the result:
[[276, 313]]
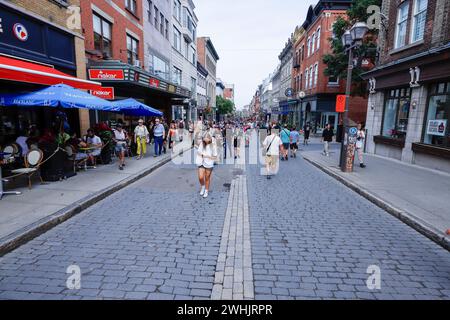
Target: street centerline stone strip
[[234, 275]]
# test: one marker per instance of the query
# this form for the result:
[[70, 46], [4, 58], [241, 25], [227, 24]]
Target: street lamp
[[351, 40]]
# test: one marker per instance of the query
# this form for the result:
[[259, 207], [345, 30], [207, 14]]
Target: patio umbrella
[[133, 107], [59, 95]]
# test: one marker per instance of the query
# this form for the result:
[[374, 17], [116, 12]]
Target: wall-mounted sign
[[104, 93], [289, 92], [106, 75], [301, 94], [154, 82], [437, 127], [340, 103], [20, 32]]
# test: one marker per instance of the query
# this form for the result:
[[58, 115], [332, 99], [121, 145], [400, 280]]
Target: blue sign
[[353, 131], [26, 37], [289, 92]]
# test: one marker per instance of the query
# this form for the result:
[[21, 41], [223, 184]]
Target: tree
[[224, 106], [337, 61]]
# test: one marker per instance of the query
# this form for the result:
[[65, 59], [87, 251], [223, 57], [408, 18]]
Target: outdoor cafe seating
[[49, 161]]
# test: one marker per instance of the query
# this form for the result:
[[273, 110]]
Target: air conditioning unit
[[137, 63]]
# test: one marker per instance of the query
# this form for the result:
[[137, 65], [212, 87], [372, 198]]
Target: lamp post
[[351, 40]]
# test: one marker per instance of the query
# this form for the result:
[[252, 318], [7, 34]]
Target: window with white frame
[[131, 5], [306, 78], [177, 10], [313, 76], [176, 39], [318, 38], [150, 11], [313, 42], [418, 20], [316, 74], [308, 47], [402, 22], [177, 75], [310, 77]]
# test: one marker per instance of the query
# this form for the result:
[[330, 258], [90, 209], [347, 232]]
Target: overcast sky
[[248, 36]]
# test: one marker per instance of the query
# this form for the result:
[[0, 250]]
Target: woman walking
[[206, 156]]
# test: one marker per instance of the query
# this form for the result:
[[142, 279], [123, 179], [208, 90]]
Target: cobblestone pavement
[[157, 239], [307, 237], [313, 238]]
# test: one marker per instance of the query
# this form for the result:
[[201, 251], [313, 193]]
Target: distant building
[[208, 57], [220, 87], [319, 104], [228, 92]]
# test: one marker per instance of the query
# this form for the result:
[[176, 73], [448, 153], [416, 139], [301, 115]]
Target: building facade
[[208, 57], [319, 103], [45, 35], [286, 99], [184, 54], [118, 55], [409, 102], [228, 92], [202, 97]]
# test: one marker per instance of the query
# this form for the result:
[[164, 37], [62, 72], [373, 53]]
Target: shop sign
[[20, 32], [154, 82], [106, 75], [104, 93], [171, 88], [437, 127]]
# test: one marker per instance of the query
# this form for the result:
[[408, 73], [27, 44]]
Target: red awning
[[24, 71]]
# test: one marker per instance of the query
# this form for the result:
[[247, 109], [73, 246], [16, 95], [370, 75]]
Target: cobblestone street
[[302, 236]]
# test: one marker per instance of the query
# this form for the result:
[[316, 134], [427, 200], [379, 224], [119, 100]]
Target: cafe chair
[[33, 160]]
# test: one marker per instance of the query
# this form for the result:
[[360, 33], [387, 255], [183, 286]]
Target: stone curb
[[428, 231], [22, 236]]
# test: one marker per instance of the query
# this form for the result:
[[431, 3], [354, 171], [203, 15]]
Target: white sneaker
[[206, 194], [202, 191]]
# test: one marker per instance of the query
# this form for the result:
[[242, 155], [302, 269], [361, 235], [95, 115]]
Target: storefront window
[[437, 131], [396, 113]]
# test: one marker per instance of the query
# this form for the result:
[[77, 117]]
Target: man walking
[[307, 133], [327, 138], [295, 139], [141, 138], [158, 135], [272, 144]]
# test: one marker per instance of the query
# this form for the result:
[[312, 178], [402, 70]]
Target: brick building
[[208, 58], [409, 103], [311, 44], [42, 38], [114, 41]]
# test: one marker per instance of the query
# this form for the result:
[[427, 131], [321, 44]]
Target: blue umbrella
[[59, 95], [133, 107]]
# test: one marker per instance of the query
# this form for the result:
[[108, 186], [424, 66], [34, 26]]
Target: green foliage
[[224, 106], [337, 61]]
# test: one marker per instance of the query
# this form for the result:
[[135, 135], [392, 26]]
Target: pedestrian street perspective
[[255, 151]]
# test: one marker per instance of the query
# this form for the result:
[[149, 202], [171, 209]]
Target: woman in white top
[[360, 137], [206, 156]]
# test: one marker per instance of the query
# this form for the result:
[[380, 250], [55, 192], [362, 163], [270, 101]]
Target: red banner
[[104, 93], [340, 103], [106, 74]]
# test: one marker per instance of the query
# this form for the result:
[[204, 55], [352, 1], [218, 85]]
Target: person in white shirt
[[272, 144], [121, 139], [141, 138], [360, 138], [95, 143], [206, 156]]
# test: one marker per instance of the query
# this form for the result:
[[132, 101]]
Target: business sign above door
[[104, 93], [106, 75]]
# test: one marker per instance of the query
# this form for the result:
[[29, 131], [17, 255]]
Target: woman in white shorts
[[206, 156]]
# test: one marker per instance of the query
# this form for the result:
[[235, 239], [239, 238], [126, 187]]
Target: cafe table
[[5, 159]]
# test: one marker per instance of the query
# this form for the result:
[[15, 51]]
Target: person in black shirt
[[327, 138], [307, 133]]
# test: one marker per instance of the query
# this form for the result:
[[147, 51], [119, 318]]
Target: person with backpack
[[272, 144], [285, 136]]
